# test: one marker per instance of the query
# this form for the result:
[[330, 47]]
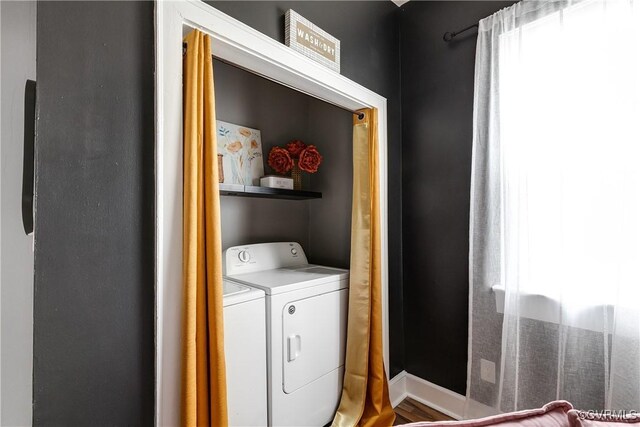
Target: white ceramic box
[[274, 181]]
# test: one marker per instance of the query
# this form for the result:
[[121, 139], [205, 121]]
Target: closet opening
[[248, 49], [281, 114]]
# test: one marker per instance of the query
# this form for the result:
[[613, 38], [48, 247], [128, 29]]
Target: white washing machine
[[245, 354], [306, 329]]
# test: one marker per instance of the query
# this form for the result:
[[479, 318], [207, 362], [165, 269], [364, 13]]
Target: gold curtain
[[204, 394], [365, 392]]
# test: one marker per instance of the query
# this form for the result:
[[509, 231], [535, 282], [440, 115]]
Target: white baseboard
[[439, 398], [434, 396], [398, 388]]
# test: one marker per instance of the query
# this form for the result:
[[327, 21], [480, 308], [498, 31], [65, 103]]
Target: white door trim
[[239, 44]]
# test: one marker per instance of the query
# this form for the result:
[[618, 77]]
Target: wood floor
[[410, 411]]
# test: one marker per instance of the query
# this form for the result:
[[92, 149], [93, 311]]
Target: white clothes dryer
[[245, 354], [306, 312]]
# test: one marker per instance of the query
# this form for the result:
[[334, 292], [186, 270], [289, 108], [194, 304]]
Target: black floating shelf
[[266, 192]]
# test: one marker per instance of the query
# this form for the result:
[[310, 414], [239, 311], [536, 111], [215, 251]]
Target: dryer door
[[314, 338]]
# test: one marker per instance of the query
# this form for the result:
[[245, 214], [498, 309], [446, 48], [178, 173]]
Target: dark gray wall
[[323, 226], [280, 114], [369, 43], [94, 256], [330, 218], [94, 271], [437, 106]]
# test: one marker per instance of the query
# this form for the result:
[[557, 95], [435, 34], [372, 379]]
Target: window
[[570, 146]]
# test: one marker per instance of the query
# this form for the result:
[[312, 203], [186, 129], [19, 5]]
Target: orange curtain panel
[[365, 393], [204, 395]]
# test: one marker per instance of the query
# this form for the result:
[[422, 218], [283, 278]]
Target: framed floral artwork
[[241, 150]]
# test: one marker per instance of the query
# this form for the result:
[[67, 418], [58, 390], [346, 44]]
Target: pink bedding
[[587, 419], [554, 414]]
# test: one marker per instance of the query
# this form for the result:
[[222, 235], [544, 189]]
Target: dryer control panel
[[262, 256]]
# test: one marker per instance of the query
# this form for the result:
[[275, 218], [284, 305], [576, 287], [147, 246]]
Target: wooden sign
[[312, 41]]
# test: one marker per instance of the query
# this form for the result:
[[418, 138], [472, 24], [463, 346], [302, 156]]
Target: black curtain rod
[[448, 36]]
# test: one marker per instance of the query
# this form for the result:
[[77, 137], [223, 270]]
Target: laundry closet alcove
[[234, 43], [321, 225]]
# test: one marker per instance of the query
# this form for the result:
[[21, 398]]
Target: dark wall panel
[[94, 245], [321, 226], [437, 106], [369, 49], [280, 114]]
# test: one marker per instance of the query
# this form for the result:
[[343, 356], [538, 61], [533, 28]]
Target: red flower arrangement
[[310, 159], [307, 156], [280, 160], [295, 147]]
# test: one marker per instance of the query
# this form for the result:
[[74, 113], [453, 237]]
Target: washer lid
[[235, 293], [290, 279]]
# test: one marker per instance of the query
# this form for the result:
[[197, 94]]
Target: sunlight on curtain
[[569, 96], [555, 212], [365, 392]]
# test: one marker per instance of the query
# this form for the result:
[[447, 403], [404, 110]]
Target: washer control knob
[[294, 251], [243, 256]]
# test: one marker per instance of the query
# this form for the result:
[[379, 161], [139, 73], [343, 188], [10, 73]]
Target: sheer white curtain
[[555, 207]]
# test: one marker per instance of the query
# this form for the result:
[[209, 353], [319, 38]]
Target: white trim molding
[[398, 388], [434, 396], [243, 46]]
